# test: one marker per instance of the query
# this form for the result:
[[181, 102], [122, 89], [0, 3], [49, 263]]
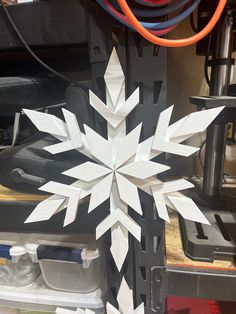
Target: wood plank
[[12, 195], [174, 250]]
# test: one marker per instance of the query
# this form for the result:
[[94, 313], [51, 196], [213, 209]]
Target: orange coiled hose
[[172, 42]]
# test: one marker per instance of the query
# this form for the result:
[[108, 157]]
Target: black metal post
[[216, 133]]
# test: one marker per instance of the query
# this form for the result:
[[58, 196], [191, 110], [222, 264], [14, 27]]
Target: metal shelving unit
[[187, 278]]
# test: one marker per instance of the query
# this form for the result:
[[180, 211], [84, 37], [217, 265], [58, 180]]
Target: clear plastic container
[[71, 263], [40, 298], [5, 310], [16, 266]]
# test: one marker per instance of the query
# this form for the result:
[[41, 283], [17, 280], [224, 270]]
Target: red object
[[177, 305]]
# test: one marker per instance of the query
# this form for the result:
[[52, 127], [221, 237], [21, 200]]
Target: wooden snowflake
[[121, 164]]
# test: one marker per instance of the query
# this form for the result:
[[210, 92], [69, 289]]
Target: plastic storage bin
[[16, 266], [5, 310], [69, 263]]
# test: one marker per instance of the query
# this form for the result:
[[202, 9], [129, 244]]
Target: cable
[[200, 153], [160, 26], [26, 46], [207, 61], [156, 12], [183, 15], [168, 42], [153, 3], [123, 19], [194, 28]]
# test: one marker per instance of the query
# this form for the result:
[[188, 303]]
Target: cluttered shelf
[[175, 254], [35, 292], [194, 278]]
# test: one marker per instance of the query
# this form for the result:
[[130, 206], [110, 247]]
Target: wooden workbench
[[12, 195], [187, 278], [175, 254]]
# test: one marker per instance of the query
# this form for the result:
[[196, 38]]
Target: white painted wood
[[60, 147], [117, 215], [100, 192], [177, 149], [119, 235], [125, 297], [127, 146], [167, 137], [88, 171], [47, 123], [124, 109], [125, 302], [188, 209], [161, 206], [59, 189], [111, 115], [99, 147], [119, 244], [139, 310], [46, 209], [85, 188], [142, 169], [128, 193], [114, 77], [71, 193], [72, 209], [74, 137], [146, 184], [121, 164], [115, 200], [193, 123], [107, 113], [162, 124], [144, 149], [162, 143], [111, 309], [164, 188], [172, 186], [73, 129]]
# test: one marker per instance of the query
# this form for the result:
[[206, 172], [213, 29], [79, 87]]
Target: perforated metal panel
[[144, 66]]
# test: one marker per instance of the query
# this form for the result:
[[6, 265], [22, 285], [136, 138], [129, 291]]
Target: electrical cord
[[156, 12], [153, 3], [160, 25], [194, 28], [200, 154], [170, 42], [206, 62], [179, 18], [26, 46], [120, 17]]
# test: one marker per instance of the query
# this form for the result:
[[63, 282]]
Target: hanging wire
[[31, 52], [206, 63], [194, 28]]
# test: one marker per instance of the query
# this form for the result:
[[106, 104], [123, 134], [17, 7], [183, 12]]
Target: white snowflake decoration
[[121, 164], [125, 302]]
